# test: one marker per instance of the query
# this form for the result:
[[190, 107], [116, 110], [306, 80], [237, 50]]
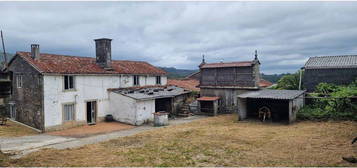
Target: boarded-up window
[[136, 80], [158, 80], [19, 81], [68, 82], [68, 112]]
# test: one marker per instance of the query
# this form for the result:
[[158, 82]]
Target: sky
[[177, 34]]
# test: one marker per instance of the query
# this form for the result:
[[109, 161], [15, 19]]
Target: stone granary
[[57, 91], [339, 70], [135, 105], [283, 104], [228, 80]]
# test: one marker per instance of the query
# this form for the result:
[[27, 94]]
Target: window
[[68, 112], [68, 82], [19, 81], [136, 80], [158, 80]]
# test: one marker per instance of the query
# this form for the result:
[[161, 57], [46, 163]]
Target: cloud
[[178, 33]]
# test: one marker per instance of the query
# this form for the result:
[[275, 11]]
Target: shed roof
[[324, 62], [63, 64], [150, 92], [272, 94]]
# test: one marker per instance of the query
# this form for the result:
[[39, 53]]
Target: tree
[[289, 82]]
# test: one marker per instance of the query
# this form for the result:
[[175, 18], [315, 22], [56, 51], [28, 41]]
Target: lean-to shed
[[283, 104], [136, 105]]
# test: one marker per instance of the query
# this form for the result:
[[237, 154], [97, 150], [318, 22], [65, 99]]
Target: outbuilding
[[282, 104], [136, 105]]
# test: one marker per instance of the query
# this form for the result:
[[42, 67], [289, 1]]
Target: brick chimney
[[103, 52], [35, 51]]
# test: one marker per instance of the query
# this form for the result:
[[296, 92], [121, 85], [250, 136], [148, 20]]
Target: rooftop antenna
[[3, 47], [203, 58]]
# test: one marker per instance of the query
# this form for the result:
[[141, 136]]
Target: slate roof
[[150, 92], [228, 64], [63, 64], [272, 94], [324, 62]]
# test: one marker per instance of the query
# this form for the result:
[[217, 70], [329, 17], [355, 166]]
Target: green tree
[[289, 82]]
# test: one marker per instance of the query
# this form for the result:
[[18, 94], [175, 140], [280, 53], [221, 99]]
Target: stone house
[[53, 92]]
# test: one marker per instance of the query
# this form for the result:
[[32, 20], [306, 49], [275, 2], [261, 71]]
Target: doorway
[[91, 112]]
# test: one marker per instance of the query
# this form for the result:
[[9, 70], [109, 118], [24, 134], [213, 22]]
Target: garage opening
[[163, 104], [279, 109]]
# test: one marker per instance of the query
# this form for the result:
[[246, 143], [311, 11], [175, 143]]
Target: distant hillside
[[274, 77], [174, 73]]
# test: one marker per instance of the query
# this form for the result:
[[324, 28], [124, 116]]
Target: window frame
[[19, 80], [64, 112], [68, 83], [136, 80], [158, 80]]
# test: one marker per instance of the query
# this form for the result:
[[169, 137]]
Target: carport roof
[[272, 94]]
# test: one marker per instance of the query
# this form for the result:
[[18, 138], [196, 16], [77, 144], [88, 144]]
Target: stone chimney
[[35, 51], [103, 52]]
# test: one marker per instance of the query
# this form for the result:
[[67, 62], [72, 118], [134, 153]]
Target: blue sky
[[176, 34]]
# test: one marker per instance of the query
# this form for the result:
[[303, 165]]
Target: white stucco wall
[[129, 110], [88, 87], [122, 108], [145, 110]]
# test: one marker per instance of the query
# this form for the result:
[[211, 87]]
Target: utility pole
[[3, 47]]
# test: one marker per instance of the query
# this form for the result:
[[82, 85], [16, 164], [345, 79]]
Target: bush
[[331, 102]]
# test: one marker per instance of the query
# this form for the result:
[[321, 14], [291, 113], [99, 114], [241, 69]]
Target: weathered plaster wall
[[122, 108], [145, 110], [29, 98], [87, 88], [295, 106]]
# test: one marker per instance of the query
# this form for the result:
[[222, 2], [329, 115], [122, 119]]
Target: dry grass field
[[215, 141], [12, 129]]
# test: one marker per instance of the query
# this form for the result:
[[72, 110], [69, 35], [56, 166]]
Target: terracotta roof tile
[[264, 83], [228, 64], [189, 84], [63, 64], [206, 98]]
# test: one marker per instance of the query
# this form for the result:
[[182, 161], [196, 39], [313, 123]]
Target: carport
[[283, 104]]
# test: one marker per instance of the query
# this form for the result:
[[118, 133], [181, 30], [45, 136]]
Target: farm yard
[[12, 129], [214, 141]]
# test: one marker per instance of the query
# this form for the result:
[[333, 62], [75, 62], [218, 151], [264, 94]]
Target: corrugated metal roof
[[344, 61], [272, 94], [152, 92]]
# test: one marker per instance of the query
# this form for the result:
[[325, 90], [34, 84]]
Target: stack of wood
[[185, 110]]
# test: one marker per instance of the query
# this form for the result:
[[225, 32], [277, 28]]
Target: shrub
[[331, 102]]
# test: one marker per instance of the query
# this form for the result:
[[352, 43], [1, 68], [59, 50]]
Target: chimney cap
[[99, 39]]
